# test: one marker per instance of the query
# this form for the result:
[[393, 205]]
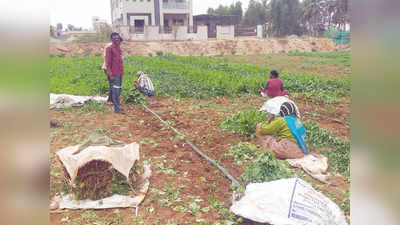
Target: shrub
[[159, 53]]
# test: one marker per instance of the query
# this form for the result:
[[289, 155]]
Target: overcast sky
[[79, 12]]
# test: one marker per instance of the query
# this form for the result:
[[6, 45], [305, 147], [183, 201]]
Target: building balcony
[[175, 5]]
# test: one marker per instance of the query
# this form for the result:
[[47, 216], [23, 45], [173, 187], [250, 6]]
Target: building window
[[138, 27], [139, 23]]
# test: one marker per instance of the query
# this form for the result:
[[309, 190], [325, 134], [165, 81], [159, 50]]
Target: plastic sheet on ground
[[114, 201], [287, 202], [59, 101], [273, 105], [315, 166]]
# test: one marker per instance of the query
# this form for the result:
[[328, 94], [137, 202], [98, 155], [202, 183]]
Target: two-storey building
[[136, 14]]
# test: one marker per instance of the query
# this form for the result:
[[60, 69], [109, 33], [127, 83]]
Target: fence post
[[260, 31]]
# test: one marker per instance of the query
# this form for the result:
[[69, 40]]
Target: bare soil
[[198, 179], [198, 48]]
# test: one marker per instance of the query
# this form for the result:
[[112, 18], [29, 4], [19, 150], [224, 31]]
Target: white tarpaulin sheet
[[314, 166], [59, 101], [273, 105], [287, 202]]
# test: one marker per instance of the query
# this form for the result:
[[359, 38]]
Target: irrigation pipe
[[223, 170]]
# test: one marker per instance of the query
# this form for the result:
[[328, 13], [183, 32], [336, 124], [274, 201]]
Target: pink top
[[114, 60], [275, 88]]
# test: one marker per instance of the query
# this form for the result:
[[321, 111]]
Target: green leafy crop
[[265, 168], [133, 97], [243, 151], [244, 122], [187, 77], [338, 150]]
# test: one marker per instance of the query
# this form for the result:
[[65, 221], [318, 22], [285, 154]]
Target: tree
[[320, 15], [315, 14], [237, 10], [339, 10], [285, 16], [52, 31], [233, 9], [221, 10], [255, 14]]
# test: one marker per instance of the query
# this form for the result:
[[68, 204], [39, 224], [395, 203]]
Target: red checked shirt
[[114, 60]]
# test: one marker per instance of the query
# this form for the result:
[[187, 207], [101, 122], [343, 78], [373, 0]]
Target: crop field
[[326, 64], [214, 101]]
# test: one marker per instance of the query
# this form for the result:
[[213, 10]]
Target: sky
[[79, 12]]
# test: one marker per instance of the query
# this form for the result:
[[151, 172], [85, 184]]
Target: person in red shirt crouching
[[274, 86]]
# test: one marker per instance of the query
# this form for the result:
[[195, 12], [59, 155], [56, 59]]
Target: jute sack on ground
[[121, 159]]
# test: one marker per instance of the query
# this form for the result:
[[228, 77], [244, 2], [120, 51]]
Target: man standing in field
[[115, 70]]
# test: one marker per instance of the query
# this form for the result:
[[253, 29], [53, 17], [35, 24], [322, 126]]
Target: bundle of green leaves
[[265, 168], [244, 122]]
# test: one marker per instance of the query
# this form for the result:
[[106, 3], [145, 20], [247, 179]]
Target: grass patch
[[337, 58]]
